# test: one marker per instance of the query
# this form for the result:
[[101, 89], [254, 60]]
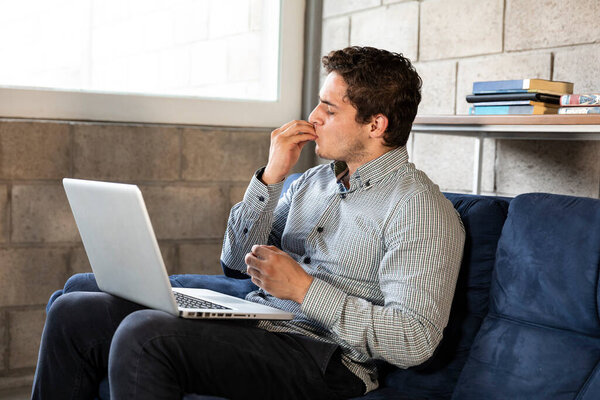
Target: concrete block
[[458, 28], [169, 255], [554, 23], [337, 7], [221, 155], [18, 383], [394, 28], [448, 161], [236, 194], [34, 150], [439, 85], [79, 262], [28, 276], [570, 168], [4, 214], [505, 66], [580, 66], [180, 212], [335, 34], [200, 259], [3, 340], [25, 334], [126, 152], [41, 213]]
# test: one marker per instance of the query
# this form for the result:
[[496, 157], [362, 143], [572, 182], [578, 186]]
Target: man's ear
[[378, 126]]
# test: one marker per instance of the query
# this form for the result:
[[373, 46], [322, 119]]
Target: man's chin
[[321, 154]]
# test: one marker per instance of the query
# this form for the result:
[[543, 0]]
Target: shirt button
[[307, 260], [245, 230], [320, 229], [261, 198]]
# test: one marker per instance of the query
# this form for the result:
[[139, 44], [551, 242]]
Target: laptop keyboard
[[185, 301]]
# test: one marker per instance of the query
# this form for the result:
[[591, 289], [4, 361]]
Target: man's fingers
[[274, 249], [253, 265], [283, 127], [252, 260], [261, 251], [289, 125], [299, 127], [303, 138], [298, 131], [250, 270], [256, 281]]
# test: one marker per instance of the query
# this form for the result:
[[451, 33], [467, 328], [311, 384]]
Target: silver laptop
[[120, 243]]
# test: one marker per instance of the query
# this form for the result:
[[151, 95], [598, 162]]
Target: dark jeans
[[150, 354]]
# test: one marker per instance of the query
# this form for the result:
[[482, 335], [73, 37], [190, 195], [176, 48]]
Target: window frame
[[38, 103]]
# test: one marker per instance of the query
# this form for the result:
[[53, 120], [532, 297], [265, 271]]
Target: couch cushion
[[541, 338], [483, 218]]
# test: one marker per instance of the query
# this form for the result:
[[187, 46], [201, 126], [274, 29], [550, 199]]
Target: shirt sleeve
[[417, 277], [258, 219]]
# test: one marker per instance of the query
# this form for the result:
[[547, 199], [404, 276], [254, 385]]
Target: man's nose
[[313, 117]]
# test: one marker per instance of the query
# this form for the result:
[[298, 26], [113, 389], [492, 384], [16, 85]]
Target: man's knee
[[83, 282], [138, 329], [137, 340], [67, 312]]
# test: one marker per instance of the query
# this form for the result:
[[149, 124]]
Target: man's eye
[[330, 112]]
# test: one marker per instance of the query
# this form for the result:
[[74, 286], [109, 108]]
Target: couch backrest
[[541, 338], [483, 218]]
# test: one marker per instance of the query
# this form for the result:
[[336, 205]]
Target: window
[[210, 62]]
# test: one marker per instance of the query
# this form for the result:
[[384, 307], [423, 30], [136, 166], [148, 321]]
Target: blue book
[[523, 86], [508, 110]]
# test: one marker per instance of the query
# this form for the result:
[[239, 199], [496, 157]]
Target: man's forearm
[[250, 222]]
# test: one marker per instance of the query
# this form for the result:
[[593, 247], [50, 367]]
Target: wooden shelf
[[508, 127], [552, 119]]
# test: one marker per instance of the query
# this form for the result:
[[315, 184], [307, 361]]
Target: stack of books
[[580, 104], [521, 96]]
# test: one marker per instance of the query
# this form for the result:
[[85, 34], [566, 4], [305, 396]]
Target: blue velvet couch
[[525, 321]]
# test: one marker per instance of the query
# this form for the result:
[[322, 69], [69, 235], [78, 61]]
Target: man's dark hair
[[379, 82]]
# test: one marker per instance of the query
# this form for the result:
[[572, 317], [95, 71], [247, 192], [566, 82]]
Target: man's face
[[339, 136]]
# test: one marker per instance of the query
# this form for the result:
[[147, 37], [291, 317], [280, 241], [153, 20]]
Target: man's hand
[[286, 144], [276, 272]]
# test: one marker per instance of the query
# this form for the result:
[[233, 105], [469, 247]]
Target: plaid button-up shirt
[[384, 253]]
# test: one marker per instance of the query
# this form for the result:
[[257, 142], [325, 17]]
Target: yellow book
[[523, 86]]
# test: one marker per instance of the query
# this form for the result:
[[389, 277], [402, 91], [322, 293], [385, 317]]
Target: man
[[364, 251]]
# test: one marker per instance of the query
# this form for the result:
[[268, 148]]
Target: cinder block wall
[[190, 178], [456, 42]]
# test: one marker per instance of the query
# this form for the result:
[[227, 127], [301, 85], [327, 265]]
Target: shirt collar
[[372, 171]]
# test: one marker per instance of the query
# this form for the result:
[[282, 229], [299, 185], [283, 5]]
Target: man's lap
[[256, 360]]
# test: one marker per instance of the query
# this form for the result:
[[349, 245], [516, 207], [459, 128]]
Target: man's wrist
[[302, 293], [269, 178]]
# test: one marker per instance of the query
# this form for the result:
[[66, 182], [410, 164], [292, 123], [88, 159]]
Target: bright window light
[[222, 49]]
